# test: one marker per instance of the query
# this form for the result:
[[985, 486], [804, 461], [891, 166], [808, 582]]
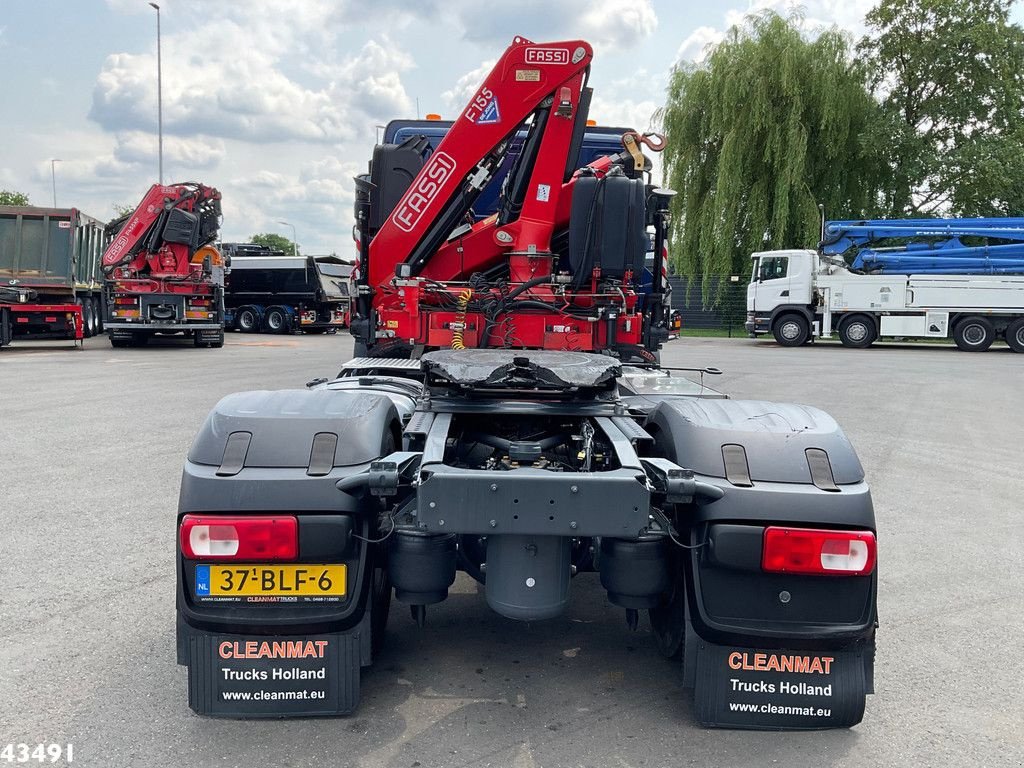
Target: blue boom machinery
[[929, 246]]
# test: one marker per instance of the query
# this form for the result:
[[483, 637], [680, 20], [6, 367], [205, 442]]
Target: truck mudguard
[[791, 649], [283, 454]]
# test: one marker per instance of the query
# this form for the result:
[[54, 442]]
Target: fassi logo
[[547, 55], [418, 198]]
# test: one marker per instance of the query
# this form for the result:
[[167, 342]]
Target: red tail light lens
[[814, 551], [259, 537]]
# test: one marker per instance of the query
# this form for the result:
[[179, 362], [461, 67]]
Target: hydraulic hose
[[458, 334]]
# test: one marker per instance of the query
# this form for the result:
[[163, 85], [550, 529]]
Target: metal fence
[[728, 313]]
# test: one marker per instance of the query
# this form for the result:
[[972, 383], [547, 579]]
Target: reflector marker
[[321, 456], [737, 471], [235, 449], [821, 469]]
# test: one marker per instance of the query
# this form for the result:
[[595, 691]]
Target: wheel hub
[[974, 334]]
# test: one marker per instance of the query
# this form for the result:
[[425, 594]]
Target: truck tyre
[[117, 343], [858, 332], [791, 330], [140, 339], [248, 321], [88, 321], [974, 334], [1015, 335], [380, 607], [668, 620], [219, 342], [276, 321], [380, 581], [97, 310]]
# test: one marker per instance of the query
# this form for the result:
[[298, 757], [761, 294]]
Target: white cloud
[[847, 15], [607, 24], [226, 79], [698, 44], [458, 96], [617, 24], [318, 196]]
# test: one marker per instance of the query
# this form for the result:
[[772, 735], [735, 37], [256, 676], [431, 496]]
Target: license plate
[[247, 580]]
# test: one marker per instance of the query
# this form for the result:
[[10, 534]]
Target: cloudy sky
[[275, 102]]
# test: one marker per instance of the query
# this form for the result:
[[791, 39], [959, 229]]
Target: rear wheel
[[791, 330], [668, 620], [974, 334], [218, 342], [275, 320], [380, 583], [248, 321], [1015, 335], [380, 608], [118, 343], [97, 311], [140, 339], [857, 331], [88, 319]]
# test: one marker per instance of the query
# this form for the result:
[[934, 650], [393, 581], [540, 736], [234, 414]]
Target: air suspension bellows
[[528, 576], [421, 566], [635, 573]]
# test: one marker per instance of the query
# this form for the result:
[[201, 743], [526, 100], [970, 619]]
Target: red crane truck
[[163, 275], [507, 417]]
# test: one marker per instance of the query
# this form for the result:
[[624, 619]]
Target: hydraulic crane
[[557, 267], [163, 274]]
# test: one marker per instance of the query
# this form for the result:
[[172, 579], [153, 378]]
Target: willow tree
[[770, 125]]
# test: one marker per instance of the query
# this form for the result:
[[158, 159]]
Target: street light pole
[[295, 251], [159, 96], [53, 178]]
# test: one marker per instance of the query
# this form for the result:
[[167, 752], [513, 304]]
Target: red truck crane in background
[[162, 275]]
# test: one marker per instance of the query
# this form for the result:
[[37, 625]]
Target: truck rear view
[[507, 417], [163, 275]]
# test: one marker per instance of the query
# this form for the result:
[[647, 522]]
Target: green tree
[[275, 242], [10, 197], [950, 77], [771, 124], [123, 210]]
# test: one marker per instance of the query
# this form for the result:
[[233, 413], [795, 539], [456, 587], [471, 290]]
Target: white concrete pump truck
[[914, 278]]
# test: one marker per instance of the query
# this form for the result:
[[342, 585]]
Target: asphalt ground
[[92, 444]]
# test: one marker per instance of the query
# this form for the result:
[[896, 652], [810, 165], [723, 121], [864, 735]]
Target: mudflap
[[252, 676], [762, 689]]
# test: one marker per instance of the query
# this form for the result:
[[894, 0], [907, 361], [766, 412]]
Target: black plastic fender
[[777, 464], [285, 451]]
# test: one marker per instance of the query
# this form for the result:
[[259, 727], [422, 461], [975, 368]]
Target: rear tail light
[[258, 537], [814, 551]]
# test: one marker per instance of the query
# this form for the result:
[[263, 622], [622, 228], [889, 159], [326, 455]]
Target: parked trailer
[[800, 294], [267, 291], [50, 266]]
